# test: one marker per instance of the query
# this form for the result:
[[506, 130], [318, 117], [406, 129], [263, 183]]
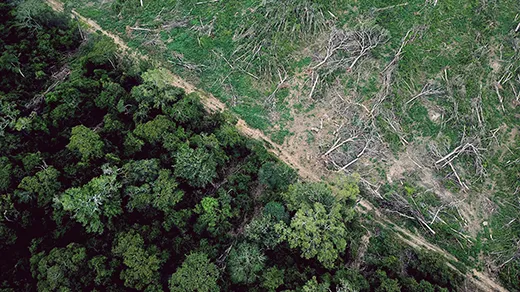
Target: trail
[[212, 104]]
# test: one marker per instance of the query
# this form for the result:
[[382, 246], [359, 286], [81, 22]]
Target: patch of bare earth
[[305, 129], [55, 5]]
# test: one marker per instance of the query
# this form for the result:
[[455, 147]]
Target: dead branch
[[58, 76], [389, 7], [500, 98], [468, 147], [388, 71], [464, 236], [461, 183], [386, 81], [494, 134], [314, 83], [339, 40], [454, 154], [517, 94], [400, 214], [477, 108], [205, 29], [426, 225], [175, 24], [516, 254], [390, 118], [271, 97], [401, 206], [427, 90], [437, 214], [338, 144], [367, 41], [354, 45], [417, 213], [6, 217], [355, 159], [180, 62], [371, 187], [463, 148], [81, 32], [206, 2], [406, 39], [142, 29]]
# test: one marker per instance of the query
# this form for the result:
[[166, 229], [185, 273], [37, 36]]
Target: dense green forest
[[111, 179]]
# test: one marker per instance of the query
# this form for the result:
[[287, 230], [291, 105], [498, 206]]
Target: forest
[[113, 179]]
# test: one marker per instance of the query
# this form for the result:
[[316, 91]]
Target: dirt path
[[479, 279], [55, 5], [212, 104]]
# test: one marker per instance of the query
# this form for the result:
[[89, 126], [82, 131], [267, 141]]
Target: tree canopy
[[196, 273]]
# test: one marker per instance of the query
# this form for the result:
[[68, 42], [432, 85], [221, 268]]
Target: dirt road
[[212, 104]]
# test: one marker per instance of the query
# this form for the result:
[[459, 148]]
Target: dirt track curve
[[212, 104]]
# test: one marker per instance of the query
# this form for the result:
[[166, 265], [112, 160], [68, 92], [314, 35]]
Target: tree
[[188, 111], [7, 233], [197, 273], [196, 166], [262, 231], [5, 174], [98, 198], [142, 266], [273, 278], [111, 93], [102, 272], [211, 144], [276, 211], [317, 232], [154, 130], [140, 197], [214, 214], [228, 135], [302, 195], [132, 144], [141, 171], [277, 176], [174, 140], [156, 91], [59, 270], [348, 280], [87, 142], [313, 286], [31, 160], [386, 284], [345, 188], [162, 193], [32, 14], [44, 185], [429, 266], [245, 261], [166, 191]]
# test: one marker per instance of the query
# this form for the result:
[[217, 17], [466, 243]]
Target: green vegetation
[[197, 273], [112, 179]]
